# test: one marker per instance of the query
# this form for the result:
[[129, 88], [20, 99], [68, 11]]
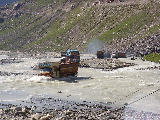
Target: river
[[139, 88], [4, 2]]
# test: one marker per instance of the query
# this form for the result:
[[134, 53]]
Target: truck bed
[[68, 69]]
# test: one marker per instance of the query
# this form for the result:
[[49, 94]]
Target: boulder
[[36, 116], [46, 117], [16, 6], [18, 109]]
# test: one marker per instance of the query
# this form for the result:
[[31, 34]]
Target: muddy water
[[127, 85]]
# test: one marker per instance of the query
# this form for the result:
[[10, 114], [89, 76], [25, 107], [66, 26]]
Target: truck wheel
[[65, 75], [73, 74]]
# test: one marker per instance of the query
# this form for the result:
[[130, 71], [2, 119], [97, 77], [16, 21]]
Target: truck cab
[[73, 56]]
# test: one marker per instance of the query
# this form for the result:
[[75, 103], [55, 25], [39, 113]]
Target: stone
[[36, 116], [20, 113], [47, 117], [16, 6], [17, 109]]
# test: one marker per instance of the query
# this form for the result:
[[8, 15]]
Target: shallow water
[[121, 86]]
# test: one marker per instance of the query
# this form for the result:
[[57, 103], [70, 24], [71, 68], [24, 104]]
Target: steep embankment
[[39, 25]]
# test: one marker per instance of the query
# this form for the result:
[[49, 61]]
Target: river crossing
[[135, 87]]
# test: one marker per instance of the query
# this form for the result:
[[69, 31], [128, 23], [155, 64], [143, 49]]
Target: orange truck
[[57, 69], [67, 66]]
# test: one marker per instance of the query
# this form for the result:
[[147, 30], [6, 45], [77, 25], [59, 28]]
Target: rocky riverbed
[[107, 64], [57, 109], [50, 108]]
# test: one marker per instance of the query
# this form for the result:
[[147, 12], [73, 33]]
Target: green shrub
[[154, 57]]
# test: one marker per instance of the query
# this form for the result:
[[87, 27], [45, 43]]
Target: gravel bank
[[57, 109], [50, 108]]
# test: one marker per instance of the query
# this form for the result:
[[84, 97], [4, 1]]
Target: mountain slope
[[58, 25]]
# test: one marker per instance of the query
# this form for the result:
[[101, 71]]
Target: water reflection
[[73, 79]]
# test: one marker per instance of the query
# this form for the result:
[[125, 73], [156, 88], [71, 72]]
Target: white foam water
[[124, 85]]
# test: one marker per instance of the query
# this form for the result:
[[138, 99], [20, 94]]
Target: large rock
[[36, 116], [16, 6], [46, 117]]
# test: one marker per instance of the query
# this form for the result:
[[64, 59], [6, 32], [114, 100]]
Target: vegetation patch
[[154, 57], [129, 27]]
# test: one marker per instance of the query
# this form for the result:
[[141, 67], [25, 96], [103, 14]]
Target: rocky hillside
[[58, 25]]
